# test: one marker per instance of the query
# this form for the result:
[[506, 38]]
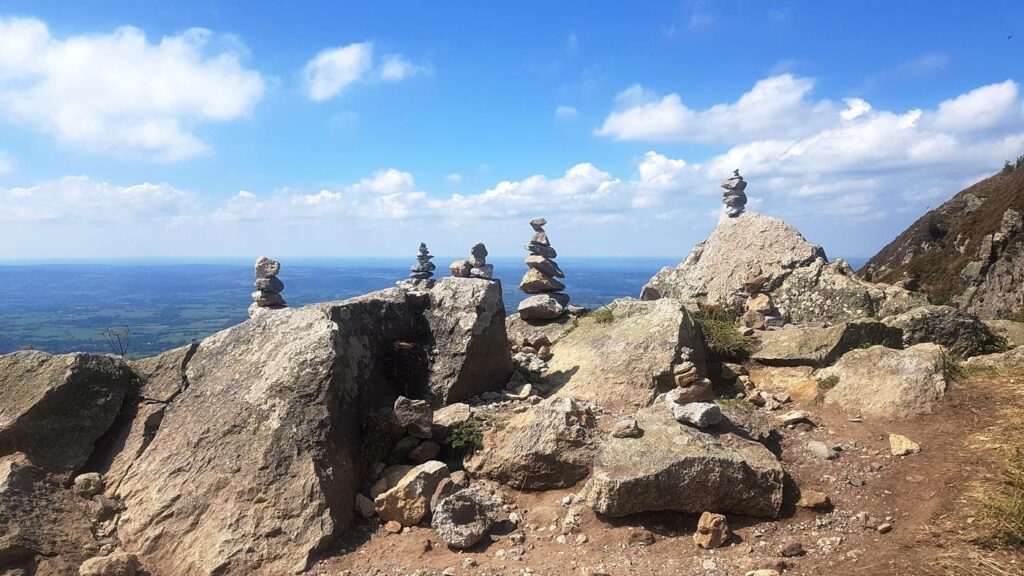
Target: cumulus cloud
[[775, 106], [118, 92], [80, 199], [334, 70]]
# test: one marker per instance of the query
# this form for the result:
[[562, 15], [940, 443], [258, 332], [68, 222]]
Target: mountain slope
[[967, 251]]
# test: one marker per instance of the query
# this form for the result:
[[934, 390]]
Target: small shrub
[[603, 315], [828, 382], [467, 437], [721, 331], [1007, 167], [952, 368]]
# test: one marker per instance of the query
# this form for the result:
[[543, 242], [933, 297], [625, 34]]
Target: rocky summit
[[547, 301], [759, 409]]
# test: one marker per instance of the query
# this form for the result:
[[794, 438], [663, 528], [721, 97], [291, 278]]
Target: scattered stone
[[446, 487], [409, 500], [627, 428], [793, 550], [415, 416], [900, 445], [426, 450], [822, 450], [460, 478], [699, 414], [764, 572], [116, 564], [700, 390], [88, 484], [462, 519], [393, 526], [641, 538], [424, 268], [884, 528], [364, 506], [712, 531], [814, 500], [793, 417], [855, 481], [548, 302], [268, 285]]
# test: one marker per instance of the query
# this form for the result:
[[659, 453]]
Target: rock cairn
[[475, 266], [425, 268], [734, 196], [548, 302], [268, 285]]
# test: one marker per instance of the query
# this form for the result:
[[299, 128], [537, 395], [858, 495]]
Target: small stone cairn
[[548, 302], [268, 285], [475, 266], [760, 312], [734, 196], [425, 268]]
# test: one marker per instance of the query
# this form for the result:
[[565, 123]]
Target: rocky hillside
[[967, 251]]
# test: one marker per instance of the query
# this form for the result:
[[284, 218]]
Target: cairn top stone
[[478, 250], [267, 267], [538, 223]]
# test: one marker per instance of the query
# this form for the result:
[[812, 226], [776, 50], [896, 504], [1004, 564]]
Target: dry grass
[[975, 563]]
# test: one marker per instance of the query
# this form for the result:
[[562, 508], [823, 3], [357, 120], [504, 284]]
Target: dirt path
[[925, 497]]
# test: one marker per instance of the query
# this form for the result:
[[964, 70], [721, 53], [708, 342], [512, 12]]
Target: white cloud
[[924, 64], [775, 106], [81, 199], [119, 93], [333, 70], [980, 109], [454, 178], [563, 112]]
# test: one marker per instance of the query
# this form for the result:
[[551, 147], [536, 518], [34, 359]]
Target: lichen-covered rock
[[1010, 331], [887, 383], [53, 409], [999, 361], [812, 346], [548, 446], [676, 467], [793, 272], [624, 359], [463, 518], [414, 416], [960, 333]]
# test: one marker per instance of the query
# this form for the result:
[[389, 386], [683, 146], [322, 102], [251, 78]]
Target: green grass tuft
[[721, 332], [467, 437]]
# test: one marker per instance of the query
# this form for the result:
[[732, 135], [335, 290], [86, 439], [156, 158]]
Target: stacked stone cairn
[[425, 268], [475, 266], [760, 312], [268, 285], [548, 302], [734, 196]]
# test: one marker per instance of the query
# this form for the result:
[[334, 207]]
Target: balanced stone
[[540, 279], [475, 266], [268, 285], [734, 198], [425, 268]]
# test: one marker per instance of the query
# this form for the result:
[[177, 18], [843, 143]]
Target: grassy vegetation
[[467, 437], [602, 315], [1004, 507], [721, 332], [1017, 315]]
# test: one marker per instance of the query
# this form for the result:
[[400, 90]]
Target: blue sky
[[207, 129]]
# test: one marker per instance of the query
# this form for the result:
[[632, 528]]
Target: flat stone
[[818, 347], [699, 414], [271, 284], [541, 250], [900, 445], [814, 500], [464, 518], [544, 266], [460, 268], [543, 306], [821, 450], [409, 500], [483, 271], [535, 282]]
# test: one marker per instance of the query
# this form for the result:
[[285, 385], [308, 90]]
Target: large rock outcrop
[[819, 347], [969, 250], [960, 333], [252, 463], [626, 353], [548, 446], [801, 282], [54, 408], [677, 467], [466, 321], [887, 383]]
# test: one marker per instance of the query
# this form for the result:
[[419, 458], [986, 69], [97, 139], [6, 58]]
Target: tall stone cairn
[[734, 196], [268, 285], [548, 302], [475, 266], [425, 268]]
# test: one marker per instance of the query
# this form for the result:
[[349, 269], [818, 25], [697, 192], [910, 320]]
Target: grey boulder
[[543, 306], [463, 518], [818, 347], [960, 333]]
